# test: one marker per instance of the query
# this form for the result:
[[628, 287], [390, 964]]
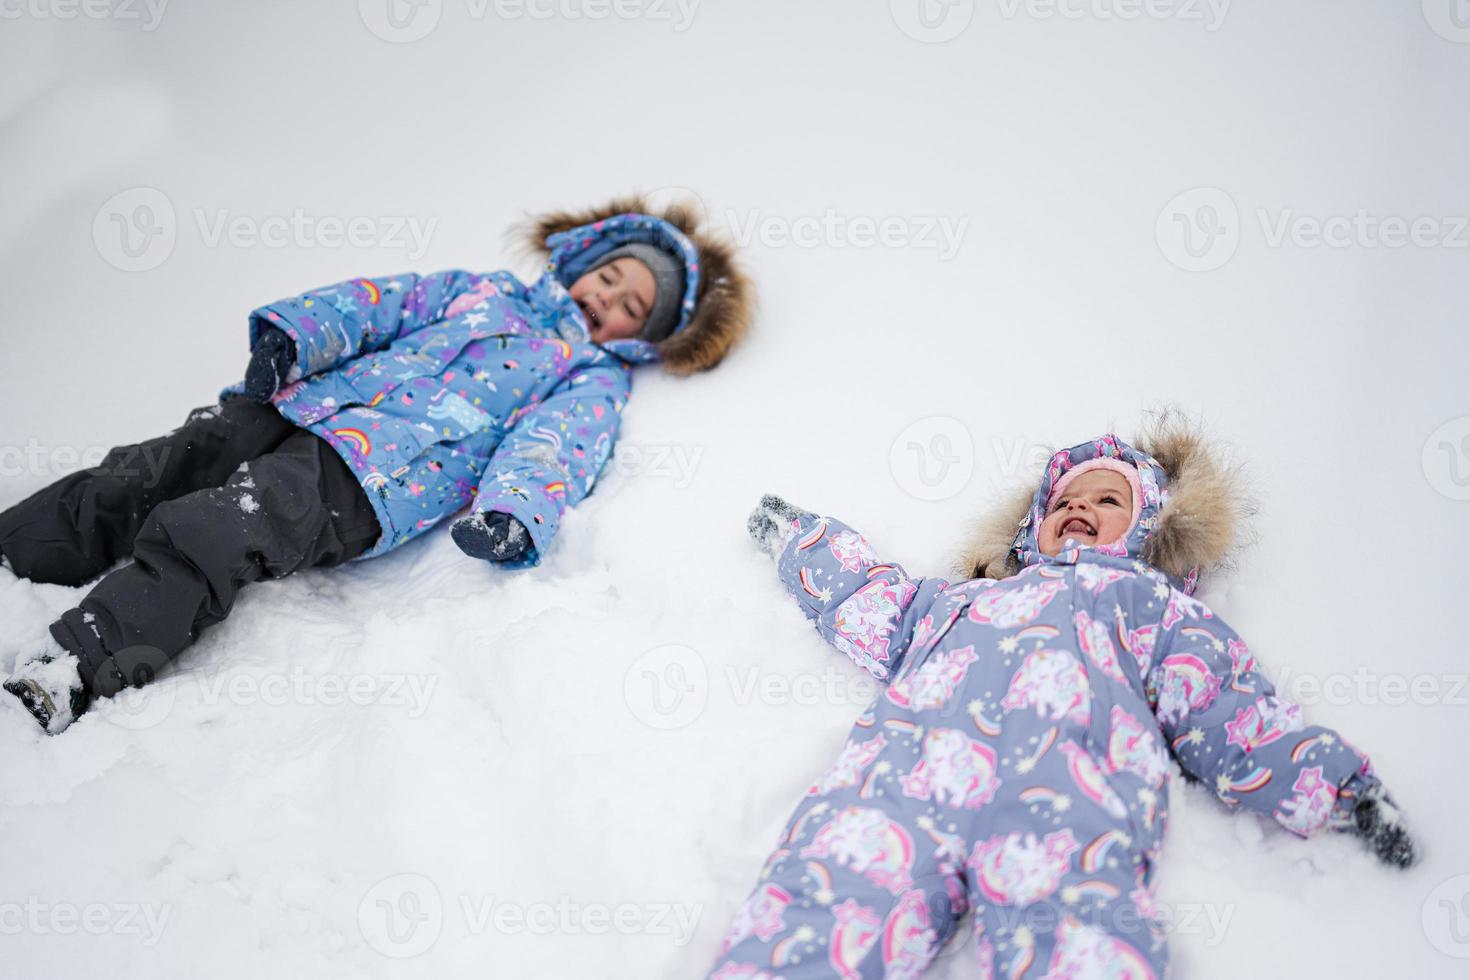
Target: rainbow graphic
[[807, 586], [1096, 853], [1044, 746], [375, 481], [1198, 633], [1093, 888], [1023, 962], [865, 720], [1038, 795], [796, 827], [377, 399], [371, 288], [556, 490], [819, 871], [781, 952], [1038, 632], [900, 725], [776, 857], [875, 570], [818, 531], [984, 725], [1303, 747], [356, 438], [867, 791], [1258, 777]]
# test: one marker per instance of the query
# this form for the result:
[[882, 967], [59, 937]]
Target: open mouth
[[593, 320], [1076, 525]]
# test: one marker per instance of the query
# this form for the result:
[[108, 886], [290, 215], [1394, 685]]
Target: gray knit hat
[[668, 281]]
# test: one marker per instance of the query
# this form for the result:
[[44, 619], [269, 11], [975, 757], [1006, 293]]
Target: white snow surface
[[353, 746]]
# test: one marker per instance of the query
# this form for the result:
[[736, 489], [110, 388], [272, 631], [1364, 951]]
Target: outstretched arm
[[324, 328], [1227, 727], [866, 608]]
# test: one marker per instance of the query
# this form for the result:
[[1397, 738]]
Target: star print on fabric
[[1161, 590], [474, 319]]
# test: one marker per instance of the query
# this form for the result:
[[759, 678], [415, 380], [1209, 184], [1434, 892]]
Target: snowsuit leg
[[1060, 873], [75, 529], [924, 816], [863, 882], [296, 507]]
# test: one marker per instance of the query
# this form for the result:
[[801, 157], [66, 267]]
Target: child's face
[[616, 298], [1096, 508]]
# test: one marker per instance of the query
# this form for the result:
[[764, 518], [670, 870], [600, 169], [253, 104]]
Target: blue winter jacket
[[461, 388]]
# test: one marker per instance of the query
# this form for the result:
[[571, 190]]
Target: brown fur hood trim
[[725, 298], [1198, 527]]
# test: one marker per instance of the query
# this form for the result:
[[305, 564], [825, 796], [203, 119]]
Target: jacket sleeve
[[553, 453], [335, 324], [1227, 727], [869, 610]]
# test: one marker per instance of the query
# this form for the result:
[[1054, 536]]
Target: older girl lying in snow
[[371, 411], [1017, 761]]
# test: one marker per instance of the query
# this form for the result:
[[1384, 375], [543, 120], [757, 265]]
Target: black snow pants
[[236, 495]]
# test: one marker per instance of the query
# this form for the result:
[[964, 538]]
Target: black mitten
[[1381, 823], [270, 361], [491, 536], [770, 523]]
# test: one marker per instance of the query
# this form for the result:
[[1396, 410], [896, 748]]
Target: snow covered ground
[[422, 767]]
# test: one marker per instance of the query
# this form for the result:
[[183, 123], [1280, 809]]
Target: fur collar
[[1198, 526], [725, 303]]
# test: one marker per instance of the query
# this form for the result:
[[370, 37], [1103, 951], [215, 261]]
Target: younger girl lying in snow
[[372, 410], [1017, 762]]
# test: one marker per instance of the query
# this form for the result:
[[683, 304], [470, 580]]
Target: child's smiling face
[[1095, 509], [616, 298]]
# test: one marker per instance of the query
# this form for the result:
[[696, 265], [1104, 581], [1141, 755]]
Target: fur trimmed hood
[[1192, 512], [722, 302]]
